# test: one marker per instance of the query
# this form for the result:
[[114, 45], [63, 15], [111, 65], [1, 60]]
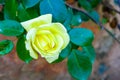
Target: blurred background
[[106, 66]]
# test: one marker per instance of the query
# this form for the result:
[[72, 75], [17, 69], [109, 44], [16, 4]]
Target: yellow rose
[[44, 37]]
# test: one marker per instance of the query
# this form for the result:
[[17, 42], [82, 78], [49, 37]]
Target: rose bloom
[[44, 37]]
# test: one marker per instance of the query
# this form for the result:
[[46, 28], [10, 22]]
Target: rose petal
[[53, 54], [57, 28], [50, 59], [33, 54], [36, 22], [41, 39], [58, 45], [29, 38]]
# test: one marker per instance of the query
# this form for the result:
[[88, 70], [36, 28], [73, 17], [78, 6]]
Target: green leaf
[[94, 3], [27, 14], [76, 20], [104, 20], [79, 65], [117, 2], [1, 16], [68, 19], [30, 3], [2, 1], [81, 36], [5, 47], [10, 9], [65, 52], [22, 53], [85, 4], [33, 12], [89, 50], [11, 28], [95, 15], [22, 13], [83, 16], [55, 7]]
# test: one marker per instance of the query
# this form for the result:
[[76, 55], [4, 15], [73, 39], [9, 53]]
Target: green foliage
[[55, 7], [64, 53], [76, 20], [104, 20], [5, 47], [30, 3], [33, 12], [22, 13], [79, 65], [22, 53], [67, 22], [1, 1], [1, 16], [94, 3], [85, 4], [26, 14], [89, 4], [117, 2], [81, 36], [10, 9], [89, 50], [83, 16], [11, 28], [95, 15], [80, 61]]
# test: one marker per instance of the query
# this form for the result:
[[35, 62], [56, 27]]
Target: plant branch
[[98, 23], [111, 8]]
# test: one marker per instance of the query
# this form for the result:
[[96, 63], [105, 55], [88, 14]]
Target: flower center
[[45, 41]]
